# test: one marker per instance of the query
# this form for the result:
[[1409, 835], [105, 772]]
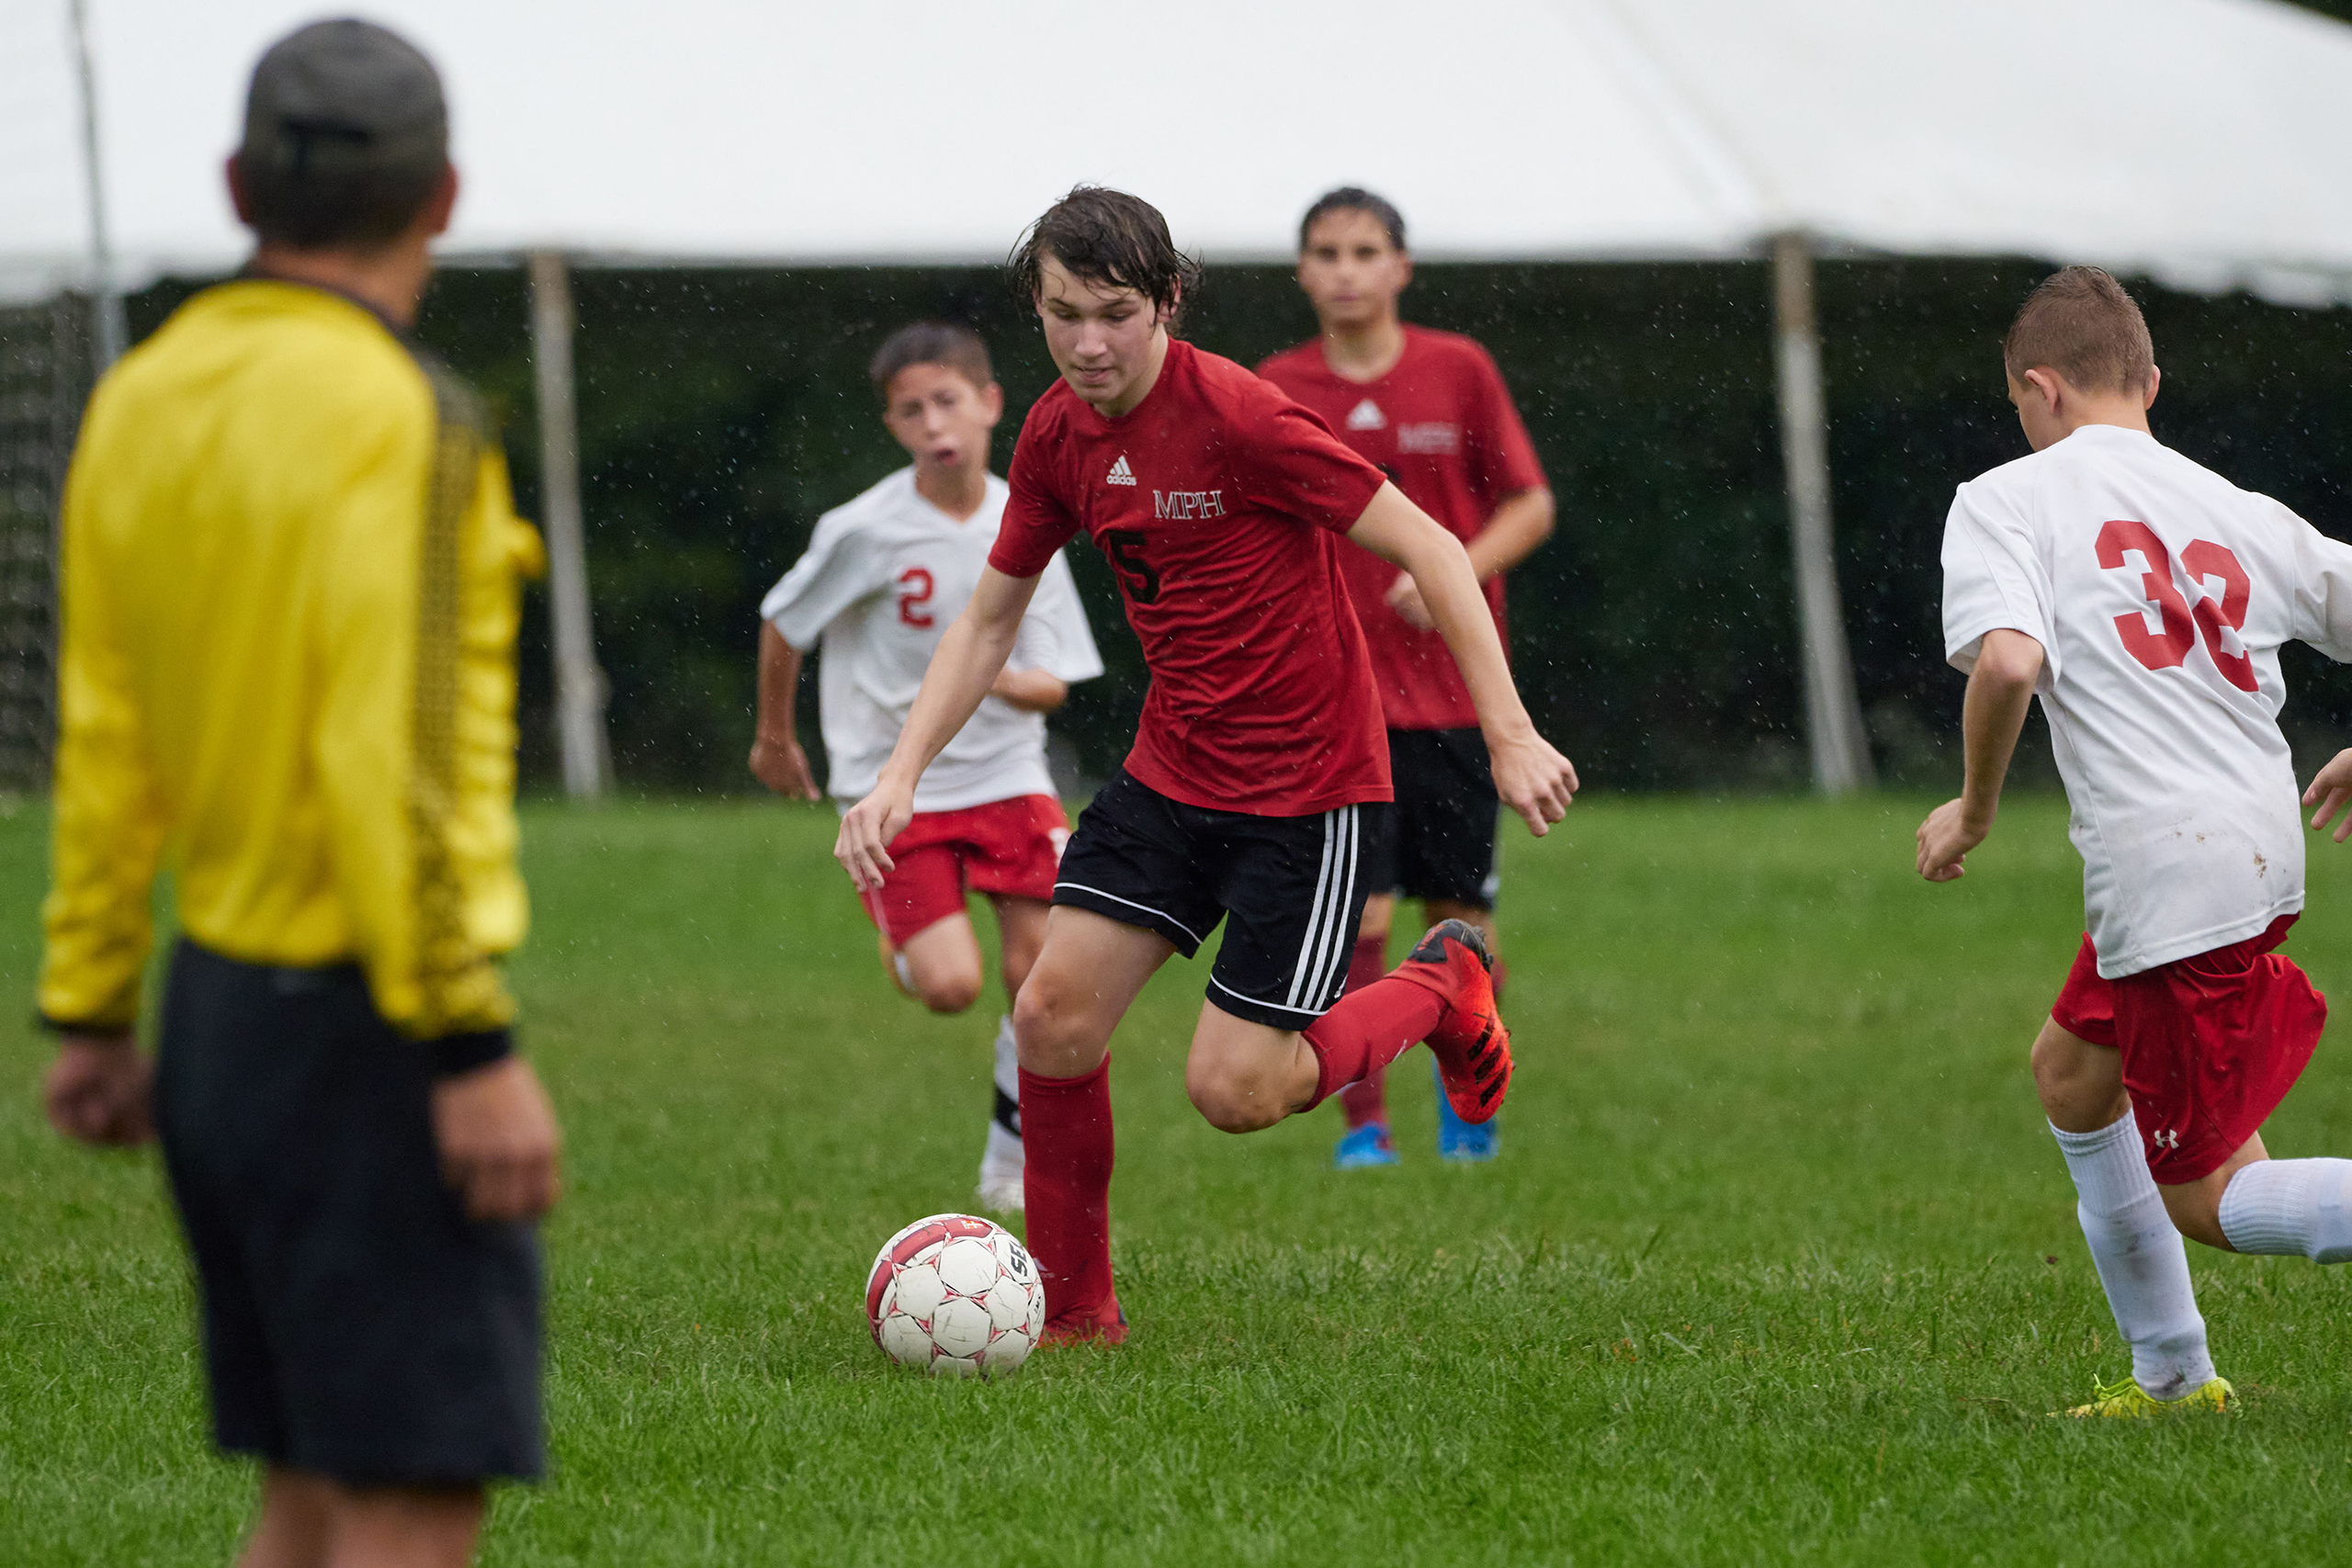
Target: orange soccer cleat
[[1472, 1047], [1107, 1324]]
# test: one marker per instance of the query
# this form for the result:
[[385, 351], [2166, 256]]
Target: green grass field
[[1780, 1263]]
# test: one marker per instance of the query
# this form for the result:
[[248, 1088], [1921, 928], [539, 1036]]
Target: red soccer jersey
[[1441, 424], [1218, 501]]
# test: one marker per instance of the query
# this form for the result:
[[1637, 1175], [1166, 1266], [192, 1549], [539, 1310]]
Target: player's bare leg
[[1087, 975], [942, 964], [398, 1527], [2196, 1206], [296, 1525], [2133, 1243], [308, 1521], [1020, 929], [2280, 1207], [1244, 1076]]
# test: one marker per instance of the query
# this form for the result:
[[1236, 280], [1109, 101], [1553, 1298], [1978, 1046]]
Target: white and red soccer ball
[[955, 1294]]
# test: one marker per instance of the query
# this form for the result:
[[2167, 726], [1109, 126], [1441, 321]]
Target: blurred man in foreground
[[290, 593]]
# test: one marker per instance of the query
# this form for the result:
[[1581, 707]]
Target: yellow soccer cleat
[[2126, 1399]]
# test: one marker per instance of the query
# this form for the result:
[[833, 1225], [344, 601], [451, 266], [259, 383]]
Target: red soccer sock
[[1066, 1126], [1368, 1030], [1366, 1099]]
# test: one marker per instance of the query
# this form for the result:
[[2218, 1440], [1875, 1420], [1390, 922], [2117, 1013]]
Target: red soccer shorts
[[2210, 1044], [1009, 847]]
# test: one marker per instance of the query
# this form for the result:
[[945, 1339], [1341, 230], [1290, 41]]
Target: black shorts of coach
[[357, 1325], [1290, 890], [1440, 841]]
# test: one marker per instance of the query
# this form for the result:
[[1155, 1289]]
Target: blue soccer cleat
[[1364, 1147], [1465, 1141]]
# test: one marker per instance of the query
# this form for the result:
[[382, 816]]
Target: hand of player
[[1944, 838], [496, 1135], [2331, 787], [783, 766], [863, 845], [1404, 596], [1533, 780], [99, 1090]]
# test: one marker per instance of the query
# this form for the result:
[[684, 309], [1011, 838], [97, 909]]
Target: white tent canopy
[[2201, 141]]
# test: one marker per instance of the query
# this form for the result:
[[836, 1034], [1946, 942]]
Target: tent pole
[[1841, 756], [111, 331], [579, 683]]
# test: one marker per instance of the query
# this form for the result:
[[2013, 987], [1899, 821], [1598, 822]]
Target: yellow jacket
[[291, 585]]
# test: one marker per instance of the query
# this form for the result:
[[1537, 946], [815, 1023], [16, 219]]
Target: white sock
[[2140, 1260], [1007, 1077], [1004, 1146], [1003, 1152], [2285, 1206]]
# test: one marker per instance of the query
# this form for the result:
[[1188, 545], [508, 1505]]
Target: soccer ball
[[955, 1294]]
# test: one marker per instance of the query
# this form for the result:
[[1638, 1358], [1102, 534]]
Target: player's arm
[[963, 669], [106, 830], [2324, 619], [2000, 688], [1031, 690], [1522, 522], [1529, 776], [388, 646], [778, 760]]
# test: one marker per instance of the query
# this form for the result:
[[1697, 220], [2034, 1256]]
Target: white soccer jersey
[[2160, 594], [884, 577]]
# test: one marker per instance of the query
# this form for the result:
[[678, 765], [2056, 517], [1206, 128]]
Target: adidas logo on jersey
[[1120, 473], [1366, 415]]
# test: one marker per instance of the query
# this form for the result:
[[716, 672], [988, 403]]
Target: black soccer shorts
[[1442, 838], [356, 1324], [1289, 889]]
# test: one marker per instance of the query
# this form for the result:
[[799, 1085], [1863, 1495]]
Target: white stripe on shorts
[[1325, 946]]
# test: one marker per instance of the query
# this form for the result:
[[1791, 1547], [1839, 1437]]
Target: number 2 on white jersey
[[914, 592], [2182, 624]]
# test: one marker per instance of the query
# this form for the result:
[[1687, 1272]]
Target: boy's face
[[1350, 271], [1101, 337], [942, 419]]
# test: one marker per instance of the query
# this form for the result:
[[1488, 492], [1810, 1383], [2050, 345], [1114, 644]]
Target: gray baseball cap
[[345, 99]]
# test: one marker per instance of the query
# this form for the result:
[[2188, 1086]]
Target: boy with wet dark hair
[[883, 577], [290, 583], [2144, 599], [1260, 755], [1430, 410], [1108, 237]]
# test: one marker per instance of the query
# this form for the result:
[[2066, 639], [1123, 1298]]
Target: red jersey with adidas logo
[[1442, 425], [1219, 503]]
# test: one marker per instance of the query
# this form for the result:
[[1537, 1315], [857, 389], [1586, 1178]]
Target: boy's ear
[[2049, 383], [992, 402], [237, 198], [2154, 376]]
